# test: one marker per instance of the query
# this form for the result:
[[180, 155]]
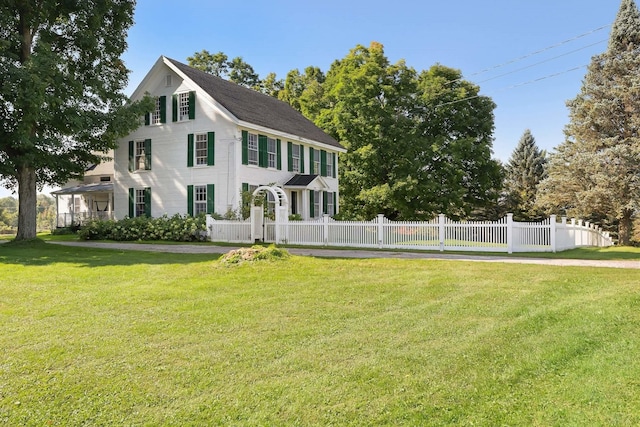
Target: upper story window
[[159, 113], [330, 166], [252, 147], [139, 155], [271, 153], [314, 161], [201, 149], [295, 158], [184, 106]]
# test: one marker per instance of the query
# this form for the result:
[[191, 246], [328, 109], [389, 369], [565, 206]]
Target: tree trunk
[[27, 201], [624, 228]]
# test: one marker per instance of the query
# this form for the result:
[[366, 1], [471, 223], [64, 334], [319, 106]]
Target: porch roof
[[97, 187], [306, 181]]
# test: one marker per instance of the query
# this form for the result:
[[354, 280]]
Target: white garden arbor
[[281, 213]]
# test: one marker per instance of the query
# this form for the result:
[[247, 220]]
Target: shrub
[[177, 228]]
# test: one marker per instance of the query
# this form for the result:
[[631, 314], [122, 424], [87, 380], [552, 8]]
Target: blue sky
[[470, 35]]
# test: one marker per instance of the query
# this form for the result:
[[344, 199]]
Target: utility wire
[[513, 86]]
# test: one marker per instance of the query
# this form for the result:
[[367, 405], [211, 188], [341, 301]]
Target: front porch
[[77, 204]]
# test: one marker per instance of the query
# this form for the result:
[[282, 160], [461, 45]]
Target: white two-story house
[[208, 140]]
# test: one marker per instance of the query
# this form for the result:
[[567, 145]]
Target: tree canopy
[[524, 171], [597, 169], [61, 96]]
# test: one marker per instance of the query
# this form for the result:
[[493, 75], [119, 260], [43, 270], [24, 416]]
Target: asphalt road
[[355, 253]]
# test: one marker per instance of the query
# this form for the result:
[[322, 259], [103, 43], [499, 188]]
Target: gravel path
[[355, 253]]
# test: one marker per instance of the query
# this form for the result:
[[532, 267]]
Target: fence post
[[441, 233], [552, 230], [325, 229], [209, 227], [380, 230], [510, 233]]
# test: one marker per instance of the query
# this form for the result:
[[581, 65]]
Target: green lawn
[[96, 337]]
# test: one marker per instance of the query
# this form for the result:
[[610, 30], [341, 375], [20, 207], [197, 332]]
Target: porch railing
[[78, 218]]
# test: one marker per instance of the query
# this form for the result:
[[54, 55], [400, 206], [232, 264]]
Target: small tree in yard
[[597, 169], [61, 100], [524, 171]]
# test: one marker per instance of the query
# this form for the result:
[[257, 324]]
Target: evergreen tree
[[524, 171], [596, 171]]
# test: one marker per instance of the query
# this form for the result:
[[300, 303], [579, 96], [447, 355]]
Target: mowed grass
[[98, 337]]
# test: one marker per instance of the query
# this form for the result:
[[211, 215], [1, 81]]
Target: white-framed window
[[271, 152], [295, 158], [316, 162], [252, 146], [140, 203], [183, 106], [330, 203], [140, 157], [201, 149], [317, 212], [156, 117], [199, 199], [330, 164]]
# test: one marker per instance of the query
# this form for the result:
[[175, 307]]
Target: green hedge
[[176, 229]]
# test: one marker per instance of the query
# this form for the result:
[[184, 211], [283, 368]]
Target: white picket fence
[[439, 234]]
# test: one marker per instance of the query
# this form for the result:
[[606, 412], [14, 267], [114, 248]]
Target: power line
[[539, 51], [513, 86]]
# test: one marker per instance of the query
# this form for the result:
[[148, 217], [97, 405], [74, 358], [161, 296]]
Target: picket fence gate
[[439, 234]]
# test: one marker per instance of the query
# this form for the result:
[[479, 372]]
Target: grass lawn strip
[[110, 338]]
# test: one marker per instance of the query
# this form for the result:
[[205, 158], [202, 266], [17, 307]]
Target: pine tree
[[596, 171], [524, 171]]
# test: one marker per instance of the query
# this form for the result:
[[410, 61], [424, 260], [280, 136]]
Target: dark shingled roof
[[254, 107], [300, 180]]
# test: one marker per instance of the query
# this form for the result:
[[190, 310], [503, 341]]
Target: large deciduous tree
[[524, 171], [61, 99], [596, 171], [418, 144]]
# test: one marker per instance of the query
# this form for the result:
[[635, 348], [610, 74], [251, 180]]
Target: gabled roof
[[256, 108]]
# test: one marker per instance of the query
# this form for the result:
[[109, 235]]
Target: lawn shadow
[[39, 253]]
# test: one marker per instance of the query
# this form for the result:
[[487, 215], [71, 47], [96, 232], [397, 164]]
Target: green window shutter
[[323, 163], [335, 203], [211, 149], [325, 205], [147, 202], [147, 119], [210, 198], [278, 154], [245, 187], [163, 109], [245, 147], [335, 165], [190, 199], [192, 105], [311, 205], [147, 154], [190, 150], [174, 108], [262, 151], [290, 156], [311, 150], [132, 202], [301, 158], [131, 156]]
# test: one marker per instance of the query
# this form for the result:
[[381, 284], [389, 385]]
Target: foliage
[[100, 337], [597, 169], [177, 228], [62, 92], [45, 213], [235, 70], [418, 144], [524, 171], [254, 253]]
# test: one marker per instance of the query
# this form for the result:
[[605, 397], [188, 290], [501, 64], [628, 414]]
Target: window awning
[[98, 187]]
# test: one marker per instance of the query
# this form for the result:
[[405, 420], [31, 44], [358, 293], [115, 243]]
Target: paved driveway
[[354, 253]]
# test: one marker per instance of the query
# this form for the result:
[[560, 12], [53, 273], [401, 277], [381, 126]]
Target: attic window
[[168, 80]]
